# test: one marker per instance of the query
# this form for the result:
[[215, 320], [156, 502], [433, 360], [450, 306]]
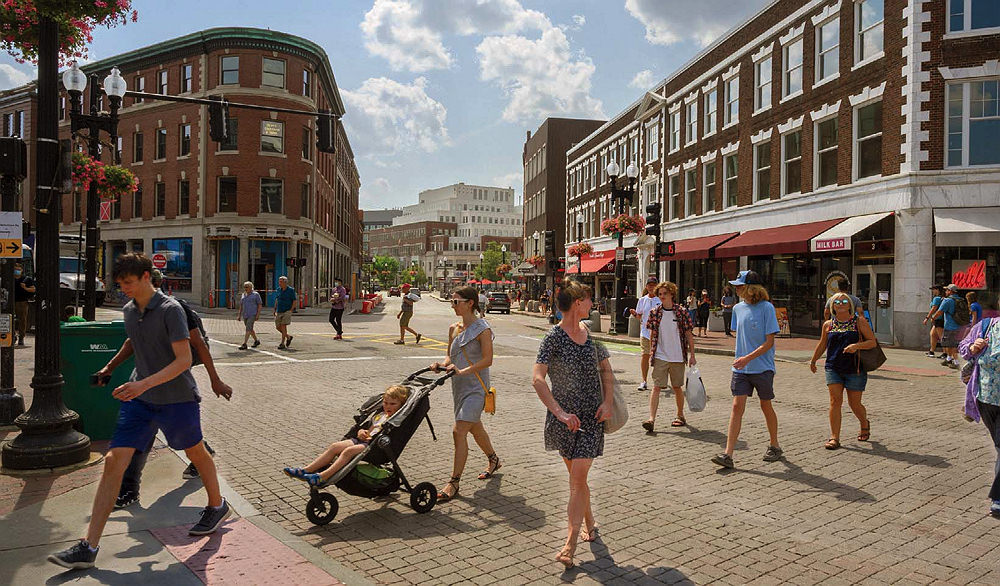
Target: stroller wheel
[[423, 497], [322, 508]]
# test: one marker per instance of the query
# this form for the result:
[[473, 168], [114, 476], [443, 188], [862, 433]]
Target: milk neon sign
[[970, 276]]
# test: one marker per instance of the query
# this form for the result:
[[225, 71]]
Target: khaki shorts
[[283, 318], [644, 344], [404, 319], [664, 372]]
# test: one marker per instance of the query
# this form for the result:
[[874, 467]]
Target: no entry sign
[[159, 261]]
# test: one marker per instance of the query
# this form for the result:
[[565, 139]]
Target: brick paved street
[[907, 507]]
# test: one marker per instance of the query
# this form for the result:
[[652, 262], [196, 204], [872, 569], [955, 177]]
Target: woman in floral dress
[[578, 403]]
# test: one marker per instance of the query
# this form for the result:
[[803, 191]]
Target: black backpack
[[193, 319], [961, 313]]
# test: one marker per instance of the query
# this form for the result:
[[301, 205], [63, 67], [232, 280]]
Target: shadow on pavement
[[515, 510], [604, 570], [146, 575], [794, 473], [878, 449], [709, 436], [168, 509]]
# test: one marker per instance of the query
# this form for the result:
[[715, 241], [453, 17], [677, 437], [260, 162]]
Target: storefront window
[[972, 269], [177, 273], [798, 284]]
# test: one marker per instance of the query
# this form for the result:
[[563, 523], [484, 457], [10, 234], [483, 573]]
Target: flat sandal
[[443, 496]]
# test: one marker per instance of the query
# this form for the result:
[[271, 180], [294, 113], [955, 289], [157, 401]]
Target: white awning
[[839, 237], [967, 226]]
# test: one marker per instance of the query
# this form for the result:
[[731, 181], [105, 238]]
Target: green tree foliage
[[492, 257], [386, 270]]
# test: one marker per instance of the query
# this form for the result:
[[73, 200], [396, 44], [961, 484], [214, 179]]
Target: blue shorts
[[138, 422], [744, 384], [852, 381]]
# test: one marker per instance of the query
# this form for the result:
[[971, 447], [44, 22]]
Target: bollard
[[595, 321]]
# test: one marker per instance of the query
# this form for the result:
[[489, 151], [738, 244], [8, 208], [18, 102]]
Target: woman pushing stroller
[[335, 457]]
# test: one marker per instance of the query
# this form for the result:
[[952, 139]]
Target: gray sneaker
[[76, 557], [211, 519], [724, 460], [126, 498], [773, 454], [190, 472]]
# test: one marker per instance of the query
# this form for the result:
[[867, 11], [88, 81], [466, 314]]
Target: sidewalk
[[148, 542], [790, 349]]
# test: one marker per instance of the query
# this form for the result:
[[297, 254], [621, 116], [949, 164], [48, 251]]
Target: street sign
[[105, 211], [159, 261], [10, 234], [619, 253], [6, 330]]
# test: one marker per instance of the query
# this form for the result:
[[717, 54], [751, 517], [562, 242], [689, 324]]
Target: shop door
[[873, 284]]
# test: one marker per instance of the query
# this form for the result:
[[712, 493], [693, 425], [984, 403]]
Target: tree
[[77, 20], [420, 279], [492, 258], [386, 269]]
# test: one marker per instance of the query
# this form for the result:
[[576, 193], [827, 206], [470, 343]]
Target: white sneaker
[[643, 387]]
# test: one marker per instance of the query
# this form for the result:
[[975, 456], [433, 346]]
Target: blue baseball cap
[[747, 278]]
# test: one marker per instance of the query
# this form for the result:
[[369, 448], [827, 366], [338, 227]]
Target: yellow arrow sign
[[10, 248]]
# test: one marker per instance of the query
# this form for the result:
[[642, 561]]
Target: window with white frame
[[710, 188], [674, 186], [762, 84], [792, 67], [827, 49], [675, 130], [691, 181], [711, 111], [730, 186], [968, 15], [973, 123], [652, 142], [868, 140], [826, 152], [791, 162], [732, 113], [762, 171], [691, 113], [868, 23]]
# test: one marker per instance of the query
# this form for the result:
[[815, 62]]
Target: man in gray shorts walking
[[250, 304]]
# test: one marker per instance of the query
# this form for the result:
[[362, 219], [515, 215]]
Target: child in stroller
[[320, 470]]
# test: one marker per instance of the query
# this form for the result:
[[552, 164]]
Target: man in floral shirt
[[671, 346]]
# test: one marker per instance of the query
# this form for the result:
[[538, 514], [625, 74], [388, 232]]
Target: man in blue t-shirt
[[755, 324], [283, 304], [952, 329]]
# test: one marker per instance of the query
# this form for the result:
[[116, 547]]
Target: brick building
[[225, 213], [544, 159], [817, 140]]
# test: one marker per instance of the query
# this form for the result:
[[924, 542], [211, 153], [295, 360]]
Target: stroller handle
[[438, 382]]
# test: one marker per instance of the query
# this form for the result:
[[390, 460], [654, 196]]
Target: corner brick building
[[225, 213], [814, 141]]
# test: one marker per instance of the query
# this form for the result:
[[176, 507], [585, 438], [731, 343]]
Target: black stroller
[[375, 471]]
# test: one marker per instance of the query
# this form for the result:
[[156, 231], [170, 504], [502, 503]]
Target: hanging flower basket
[[536, 260], [112, 181], [623, 224], [77, 20], [580, 249], [504, 269]]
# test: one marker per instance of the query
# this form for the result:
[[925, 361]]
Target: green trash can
[[84, 348]]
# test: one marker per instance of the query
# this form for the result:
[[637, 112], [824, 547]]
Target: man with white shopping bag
[[671, 344]]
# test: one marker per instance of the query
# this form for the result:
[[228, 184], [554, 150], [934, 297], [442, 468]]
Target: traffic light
[[324, 132], [550, 243], [653, 219], [218, 119], [667, 248]]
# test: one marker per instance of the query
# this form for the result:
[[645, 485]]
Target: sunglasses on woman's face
[[457, 301], [841, 302]]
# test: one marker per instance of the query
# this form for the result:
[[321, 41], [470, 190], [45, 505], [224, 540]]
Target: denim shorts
[[852, 381], [138, 422], [744, 384]]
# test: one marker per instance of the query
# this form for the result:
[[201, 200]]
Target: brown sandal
[[679, 422], [494, 465], [443, 496], [866, 432], [565, 557], [832, 443]]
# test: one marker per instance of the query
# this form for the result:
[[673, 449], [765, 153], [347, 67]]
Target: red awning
[[698, 248], [595, 262], [780, 240], [486, 282], [473, 282]]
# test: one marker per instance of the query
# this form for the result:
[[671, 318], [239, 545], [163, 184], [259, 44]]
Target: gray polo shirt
[[152, 332]]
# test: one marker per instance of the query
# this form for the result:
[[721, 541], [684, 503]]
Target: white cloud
[[579, 20], [541, 77], [385, 117], [12, 77], [673, 21], [515, 180], [408, 33], [643, 80], [373, 194]]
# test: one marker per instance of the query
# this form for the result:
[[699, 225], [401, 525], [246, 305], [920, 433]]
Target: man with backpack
[[955, 310]]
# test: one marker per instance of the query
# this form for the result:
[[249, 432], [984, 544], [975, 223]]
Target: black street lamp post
[[621, 195], [115, 87], [535, 236], [579, 239], [47, 438]]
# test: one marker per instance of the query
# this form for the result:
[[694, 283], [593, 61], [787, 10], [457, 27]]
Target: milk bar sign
[[831, 244]]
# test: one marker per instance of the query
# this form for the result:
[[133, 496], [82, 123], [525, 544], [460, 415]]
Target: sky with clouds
[[440, 91]]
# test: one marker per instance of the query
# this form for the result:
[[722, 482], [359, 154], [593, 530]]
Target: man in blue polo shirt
[[161, 394], [283, 304]]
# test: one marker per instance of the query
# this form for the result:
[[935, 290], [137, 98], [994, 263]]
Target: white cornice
[[828, 12], [691, 164], [792, 34], [791, 124], [708, 158], [763, 52], [761, 136], [868, 94], [730, 148], [691, 97], [990, 68], [733, 72], [675, 107], [711, 85], [825, 111], [674, 170]]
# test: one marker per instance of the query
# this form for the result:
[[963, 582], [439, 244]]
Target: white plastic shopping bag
[[694, 390]]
